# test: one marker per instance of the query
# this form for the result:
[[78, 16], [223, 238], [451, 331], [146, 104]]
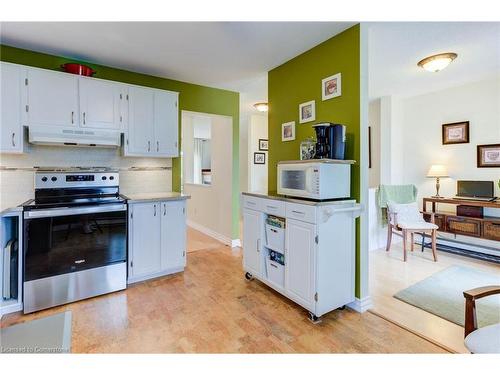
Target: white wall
[[478, 103], [252, 92], [411, 142], [210, 206], [16, 186], [374, 124], [257, 173]]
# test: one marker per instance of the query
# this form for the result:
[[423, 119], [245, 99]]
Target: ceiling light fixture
[[261, 107], [438, 62]]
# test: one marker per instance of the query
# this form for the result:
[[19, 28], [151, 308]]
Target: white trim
[[4, 310], [364, 176], [170, 271], [361, 305], [209, 232]]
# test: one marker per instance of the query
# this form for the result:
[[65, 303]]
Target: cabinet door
[[144, 251], [11, 129], [300, 261], [166, 122], [99, 104], [252, 241], [141, 122], [52, 98], [173, 234]]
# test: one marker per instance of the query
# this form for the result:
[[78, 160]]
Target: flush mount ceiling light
[[438, 62], [261, 107]]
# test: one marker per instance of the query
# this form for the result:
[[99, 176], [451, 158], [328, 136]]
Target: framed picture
[[456, 132], [263, 145], [307, 112], [331, 87], [488, 156], [259, 158], [288, 131]]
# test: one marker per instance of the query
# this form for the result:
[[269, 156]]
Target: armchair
[[485, 339]]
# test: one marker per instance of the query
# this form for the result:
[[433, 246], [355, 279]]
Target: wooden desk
[[487, 227]]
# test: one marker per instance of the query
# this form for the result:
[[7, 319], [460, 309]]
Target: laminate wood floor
[[211, 308], [389, 274]]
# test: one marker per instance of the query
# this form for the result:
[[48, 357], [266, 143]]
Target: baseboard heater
[[463, 252]]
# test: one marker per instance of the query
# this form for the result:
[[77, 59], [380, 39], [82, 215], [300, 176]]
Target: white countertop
[[162, 196], [310, 202]]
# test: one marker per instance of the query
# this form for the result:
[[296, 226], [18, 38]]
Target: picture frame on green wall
[[307, 111], [331, 87], [288, 131]]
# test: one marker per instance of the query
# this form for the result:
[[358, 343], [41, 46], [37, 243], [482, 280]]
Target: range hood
[[65, 136]]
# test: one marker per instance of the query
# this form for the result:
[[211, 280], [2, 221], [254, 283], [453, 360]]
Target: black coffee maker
[[330, 141]]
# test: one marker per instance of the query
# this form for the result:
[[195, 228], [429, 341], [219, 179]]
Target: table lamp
[[437, 171]]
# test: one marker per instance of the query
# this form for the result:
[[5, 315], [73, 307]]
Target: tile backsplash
[[16, 186]]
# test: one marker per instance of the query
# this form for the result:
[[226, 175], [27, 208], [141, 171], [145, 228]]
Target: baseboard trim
[[361, 305], [209, 232]]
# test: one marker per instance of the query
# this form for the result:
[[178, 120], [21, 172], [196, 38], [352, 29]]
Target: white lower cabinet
[[157, 239], [300, 260], [252, 228], [319, 250]]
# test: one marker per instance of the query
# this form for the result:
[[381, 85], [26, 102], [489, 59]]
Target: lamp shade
[[437, 170]]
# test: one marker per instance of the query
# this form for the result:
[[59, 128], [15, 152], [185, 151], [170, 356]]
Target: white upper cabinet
[[153, 124], [166, 123], [139, 141], [11, 129], [100, 104], [52, 98]]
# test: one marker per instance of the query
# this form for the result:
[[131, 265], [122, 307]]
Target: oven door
[[297, 181], [65, 240]]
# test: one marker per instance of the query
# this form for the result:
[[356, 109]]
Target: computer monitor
[[475, 189]]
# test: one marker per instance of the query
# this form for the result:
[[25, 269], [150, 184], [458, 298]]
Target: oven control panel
[[51, 180]]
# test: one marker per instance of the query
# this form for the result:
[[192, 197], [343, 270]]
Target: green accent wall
[[298, 81], [192, 97]]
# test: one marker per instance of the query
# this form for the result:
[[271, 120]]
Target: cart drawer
[[301, 212], [274, 207], [253, 203], [460, 225], [491, 230]]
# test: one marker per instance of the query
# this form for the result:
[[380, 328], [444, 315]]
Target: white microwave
[[317, 179]]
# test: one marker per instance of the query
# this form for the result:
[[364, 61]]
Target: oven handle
[[74, 211]]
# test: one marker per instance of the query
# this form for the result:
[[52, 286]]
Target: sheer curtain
[[197, 157]]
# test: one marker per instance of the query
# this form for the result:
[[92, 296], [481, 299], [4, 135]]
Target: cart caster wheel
[[314, 319], [248, 276], [342, 308]]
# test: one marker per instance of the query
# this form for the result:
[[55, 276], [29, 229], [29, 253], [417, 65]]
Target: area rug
[[442, 294], [51, 334]]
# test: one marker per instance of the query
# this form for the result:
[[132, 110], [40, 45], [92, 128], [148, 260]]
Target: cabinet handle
[[155, 210], [157, 146], [13, 140], [83, 118], [272, 207], [258, 245], [149, 146], [72, 117], [298, 212], [164, 209]]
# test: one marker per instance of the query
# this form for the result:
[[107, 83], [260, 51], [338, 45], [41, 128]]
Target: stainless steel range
[[75, 237]]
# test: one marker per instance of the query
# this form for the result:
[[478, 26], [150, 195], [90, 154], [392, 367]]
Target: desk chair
[[406, 218]]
